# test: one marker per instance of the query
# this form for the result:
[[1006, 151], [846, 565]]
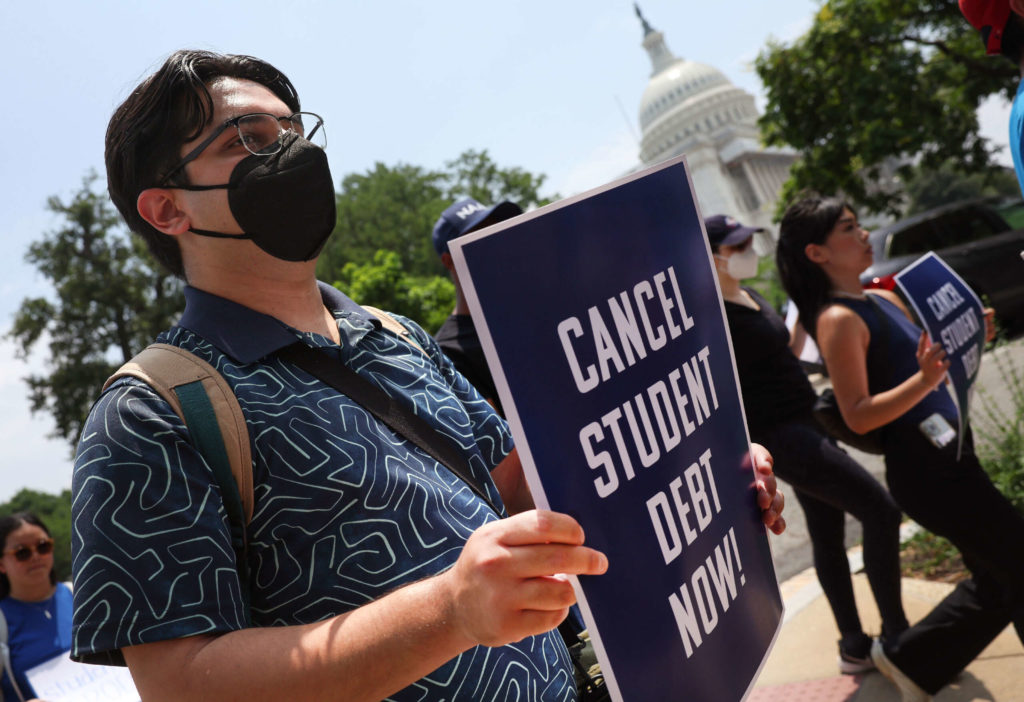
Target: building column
[[763, 194]]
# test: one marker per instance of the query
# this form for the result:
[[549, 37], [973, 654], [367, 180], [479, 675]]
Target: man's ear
[[1017, 6], [815, 253], [159, 207], [447, 262]]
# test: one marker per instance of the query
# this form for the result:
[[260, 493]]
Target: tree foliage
[[932, 188], [111, 299], [55, 511], [390, 208], [381, 252], [768, 284], [384, 283], [474, 174], [394, 208], [875, 86]]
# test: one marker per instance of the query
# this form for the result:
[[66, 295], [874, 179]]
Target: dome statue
[[694, 109]]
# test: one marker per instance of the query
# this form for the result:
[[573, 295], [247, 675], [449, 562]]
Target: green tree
[[111, 299], [55, 511], [929, 188], [381, 252], [389, 208], [384, 283], [768, 283], [476, 175], [394, 208], [875, 85]]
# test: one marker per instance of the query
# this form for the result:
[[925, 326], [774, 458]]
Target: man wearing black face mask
[[375, 572], [366, 555]]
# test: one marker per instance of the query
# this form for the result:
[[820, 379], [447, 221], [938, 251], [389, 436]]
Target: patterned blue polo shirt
[[345, 509]]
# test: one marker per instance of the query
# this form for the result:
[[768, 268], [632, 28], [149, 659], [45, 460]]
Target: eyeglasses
[[260, 133], [23, 553]]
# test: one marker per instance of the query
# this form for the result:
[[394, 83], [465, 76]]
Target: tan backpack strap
[[164, 367], [394, 326]]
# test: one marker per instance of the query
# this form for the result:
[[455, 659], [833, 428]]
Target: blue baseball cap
[[723, 230], [467, 214]]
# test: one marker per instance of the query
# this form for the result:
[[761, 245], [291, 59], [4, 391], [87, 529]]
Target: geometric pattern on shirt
[[345, 510]]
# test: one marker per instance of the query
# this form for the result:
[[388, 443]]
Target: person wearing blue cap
[[458, 337], [777, 400]]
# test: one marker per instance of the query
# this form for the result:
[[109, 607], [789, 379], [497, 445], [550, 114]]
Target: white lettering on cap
[[470, 209]]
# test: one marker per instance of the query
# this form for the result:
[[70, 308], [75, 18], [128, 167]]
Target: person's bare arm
[[508, 477], [990, 324], [843, 340], [504, 587]]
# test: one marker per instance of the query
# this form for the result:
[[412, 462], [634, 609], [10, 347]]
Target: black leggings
[[828, 484], [956, 499]]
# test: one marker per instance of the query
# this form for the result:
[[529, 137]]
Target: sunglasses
[[23, 553]]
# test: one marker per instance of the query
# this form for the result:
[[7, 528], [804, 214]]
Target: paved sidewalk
[[802, 666]]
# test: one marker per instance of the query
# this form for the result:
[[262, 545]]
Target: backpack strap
[[204, 401], [5, 654], [182, 379], [394, 326], [201, 397]]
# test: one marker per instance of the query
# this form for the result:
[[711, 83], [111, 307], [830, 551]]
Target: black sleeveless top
[[892, 357], [775, 388]]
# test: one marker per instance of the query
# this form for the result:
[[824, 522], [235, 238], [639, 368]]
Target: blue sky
[[552, 87]]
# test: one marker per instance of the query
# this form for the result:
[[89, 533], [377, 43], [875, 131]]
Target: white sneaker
[[910, 691]]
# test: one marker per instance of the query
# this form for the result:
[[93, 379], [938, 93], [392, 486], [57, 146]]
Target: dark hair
[[168, 109], [12, 523], [807, 221]]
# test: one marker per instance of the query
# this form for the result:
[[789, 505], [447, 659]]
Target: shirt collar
[[247, 335]]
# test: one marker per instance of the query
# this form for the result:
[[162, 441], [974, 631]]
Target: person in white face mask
[[777, 399]]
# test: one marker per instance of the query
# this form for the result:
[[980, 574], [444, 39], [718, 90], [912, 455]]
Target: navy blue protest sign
[[951, 313], [605, 332]]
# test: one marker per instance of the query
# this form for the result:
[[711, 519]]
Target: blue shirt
[[37, 632], [345, 510], [1016, 132]]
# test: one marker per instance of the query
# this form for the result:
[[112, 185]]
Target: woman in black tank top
[[893, 379]]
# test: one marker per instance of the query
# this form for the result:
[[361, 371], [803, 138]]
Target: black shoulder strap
[[400, 419], [394, 414]]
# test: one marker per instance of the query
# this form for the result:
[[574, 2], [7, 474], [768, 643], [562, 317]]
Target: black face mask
[[283, 202]]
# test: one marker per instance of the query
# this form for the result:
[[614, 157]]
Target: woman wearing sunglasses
[[37, 608]]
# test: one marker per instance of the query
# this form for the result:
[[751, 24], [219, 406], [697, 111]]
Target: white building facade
[[692, 108]]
